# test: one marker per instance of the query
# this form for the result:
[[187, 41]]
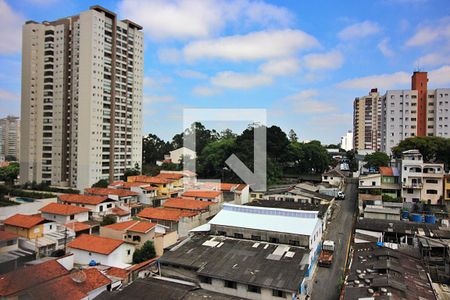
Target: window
[[71, 217], [278, 293], [432, 192], [108, 205], [221, 232], [431, 181], [128, 252], [256, 237], [205, 279], [274, 240], [136, 238], [254, 289], [294, 243], [230, 284], [239, 235]]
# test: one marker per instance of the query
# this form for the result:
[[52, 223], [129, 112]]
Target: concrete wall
[[60, 219], [118, 258], [163, 241]]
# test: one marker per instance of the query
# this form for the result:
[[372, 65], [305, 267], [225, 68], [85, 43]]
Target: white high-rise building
[[9, 137], [347, 141], [81, 114]]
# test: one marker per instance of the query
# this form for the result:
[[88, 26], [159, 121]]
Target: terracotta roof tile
[[107, 192], [165, 214], [150, 188], [97, 244], [82, 199], [142, 264], [24, 221], [77, 226], [188, 204], [63, 209], [118, 272], [202, 194], [27, 277], [149, 179], [120, 212], [66, 288], [6, 236], [133, 225], [169, 175], [386, 171]]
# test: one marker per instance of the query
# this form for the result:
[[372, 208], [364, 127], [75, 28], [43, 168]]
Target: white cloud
[[10, 29], [359, 30], [306, 102], [169, 55], [186, 19], [440, 76], [158, 99], [8, 96], [235, 80], [427, 34], [433, 59], [280, 67], [191, 74], [156, 80], [205, 91], [324, 61], [383, 81], [384, 47], [253, 46]]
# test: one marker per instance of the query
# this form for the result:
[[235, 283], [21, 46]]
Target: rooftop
[[107, 192], [384, 271], [187, 204], [6, 236], [133, 225], [82, 199], [78, 226], [202, 194], [388, 171], [168, 175], [120, 212], [321, 208], [256, 263], [27, 277], [149, 179], [97, 244], [24, 221], [300, 222], [164, 214], [63, 209]]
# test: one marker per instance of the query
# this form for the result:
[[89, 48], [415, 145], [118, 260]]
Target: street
[[325, 284]]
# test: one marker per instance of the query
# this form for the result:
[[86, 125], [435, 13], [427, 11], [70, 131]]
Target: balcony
[[409, 185]]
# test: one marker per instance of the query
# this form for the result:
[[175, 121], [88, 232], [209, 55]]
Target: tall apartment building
[[347, 141], [81, 112], [415, 112], [9, 137], [367, 122]]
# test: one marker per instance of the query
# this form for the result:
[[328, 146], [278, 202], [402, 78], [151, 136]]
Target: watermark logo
[[257, 179]]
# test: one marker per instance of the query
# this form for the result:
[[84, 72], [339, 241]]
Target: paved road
[[325, 285]]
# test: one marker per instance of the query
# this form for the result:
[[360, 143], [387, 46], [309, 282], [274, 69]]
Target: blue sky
[[303, 61]]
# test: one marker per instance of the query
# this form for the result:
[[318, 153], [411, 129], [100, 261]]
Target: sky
[[302, 61]]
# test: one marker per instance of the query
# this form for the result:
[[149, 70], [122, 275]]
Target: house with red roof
[[29, 226], [135, 232], [99, 206], [91, 249], [65, 213], [146, 192], [204, 195]]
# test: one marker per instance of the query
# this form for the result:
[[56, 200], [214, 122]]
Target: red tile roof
[[169, 175], [63, 209], [97, 244], [127, 185], [133, 225], [24, 221], [120, 212], [6, 236], [149, 179], [165, 214], [82, 199], [188, 204], [107, 192], [386, 171], [142, 264], [66, 288], [117, 183], [202, 194], [150, 188], [27, 277], [118, 272], [77, 226]]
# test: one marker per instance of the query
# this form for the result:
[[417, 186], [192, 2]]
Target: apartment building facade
[[367, 122], [9, 137], [81, 109]]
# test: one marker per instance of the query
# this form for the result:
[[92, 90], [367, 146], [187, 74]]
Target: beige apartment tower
[[81, 109], [9, 137], [367, 122]]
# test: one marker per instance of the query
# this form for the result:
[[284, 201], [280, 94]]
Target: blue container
[[417, 218], [405, 214], [430, 219]]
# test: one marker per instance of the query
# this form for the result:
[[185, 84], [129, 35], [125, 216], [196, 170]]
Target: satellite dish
[[78, 276]]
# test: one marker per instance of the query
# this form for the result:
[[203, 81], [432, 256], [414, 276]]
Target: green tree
[[108, 220], [292, 136], [432, 148], [376, 160], [153, 149], [353, 162], [9, 173], [132, 172], [102, 183], [211, 160], [146, 252]]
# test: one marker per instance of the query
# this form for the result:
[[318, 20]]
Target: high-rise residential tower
[[81, 114], [9, 137], [367, 122]]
